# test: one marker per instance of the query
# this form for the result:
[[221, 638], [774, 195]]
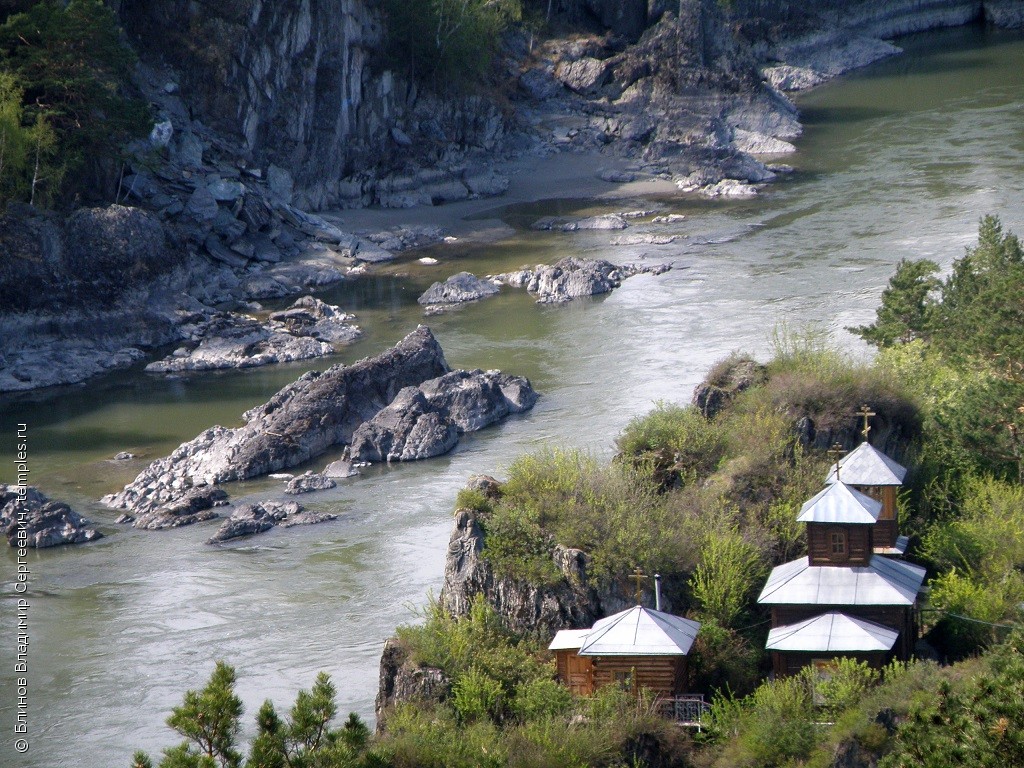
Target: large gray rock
[[458, 289], [725, 381], [585, 75], [35, 521], [402, 680], [572, 277], [426, 421], [309, 482], [235, 341], [302, 421]]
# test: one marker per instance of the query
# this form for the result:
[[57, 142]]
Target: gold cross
[[867, 413], [837, 452], [638, 577]]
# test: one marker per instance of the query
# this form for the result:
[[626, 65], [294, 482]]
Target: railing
[[686, 710]]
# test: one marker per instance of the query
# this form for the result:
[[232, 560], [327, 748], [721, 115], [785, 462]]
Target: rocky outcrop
[[458, 289], [572, 277], [31, 519], [316, 412], [724, 382], [308, 482], [402, 680], [607, 221], [426, 421], [526, 608], [195, 505], [310, 316], [251, 519]]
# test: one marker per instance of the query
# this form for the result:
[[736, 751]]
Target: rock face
[[524, 607], [572, 277], [426, 421], [458, 289], [45, 523], [251, 519], [300, 422], [401, 681]]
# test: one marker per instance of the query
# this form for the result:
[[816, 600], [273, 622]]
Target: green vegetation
[[63, 113], [447, 43]]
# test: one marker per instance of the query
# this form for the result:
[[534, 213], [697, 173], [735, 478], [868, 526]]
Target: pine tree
[[209, 720]]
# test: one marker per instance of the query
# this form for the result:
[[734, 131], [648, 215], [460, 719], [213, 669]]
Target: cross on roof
[[836, 452], [639, 578], [866, 413]]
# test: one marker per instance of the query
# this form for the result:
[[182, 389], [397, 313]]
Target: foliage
[[210, 721], [71, 67], [978, 721], [841, 686], [906, 303], [447, 42], [730, 571], [675, 444], [29, 167]]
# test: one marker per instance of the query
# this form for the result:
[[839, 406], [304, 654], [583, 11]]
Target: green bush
[[446, 43]]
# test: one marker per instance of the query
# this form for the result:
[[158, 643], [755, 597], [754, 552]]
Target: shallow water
[[900, 160]]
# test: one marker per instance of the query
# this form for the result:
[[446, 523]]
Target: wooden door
[[580, 675]]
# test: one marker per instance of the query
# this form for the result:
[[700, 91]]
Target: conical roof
[[640, 631], [865, 465], [834, 633], [839, 503]]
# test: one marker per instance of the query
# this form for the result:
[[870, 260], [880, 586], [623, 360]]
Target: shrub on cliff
[[446, 43], [70, 64]]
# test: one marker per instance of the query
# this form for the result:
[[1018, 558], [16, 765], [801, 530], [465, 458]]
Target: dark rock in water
[[310, 316], [302, 421], [309, 482], [257, 518], [124, 456], [457, 289], [724, 383], [123, 519], [572, 277], [426, 421], [403, 681], [45, 523], [253, 518], [193, 506]]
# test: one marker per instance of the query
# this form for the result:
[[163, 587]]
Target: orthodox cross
[[639, 578], [836, 452], [866, 413]]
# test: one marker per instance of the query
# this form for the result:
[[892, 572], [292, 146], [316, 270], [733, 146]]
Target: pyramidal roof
[[867, 466], [834, 633], [882, 582], [640, 631], [839, 503]]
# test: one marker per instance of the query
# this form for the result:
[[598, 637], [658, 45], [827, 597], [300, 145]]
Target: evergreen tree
[[209, 720], [903, 314]]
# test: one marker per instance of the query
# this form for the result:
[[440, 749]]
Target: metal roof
[[640, 631], [900, 548], [568, 639], [865, 465], [839, 503], [882, 582], [832, 632]]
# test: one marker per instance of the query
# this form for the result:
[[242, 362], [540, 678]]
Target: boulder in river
[[458, 289], [309, 316], [426, 421], [572, 277], [193, 506], [309, 482], [45, 523], [305, 419], [256, 518]]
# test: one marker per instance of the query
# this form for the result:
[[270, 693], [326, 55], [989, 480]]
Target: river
[[898, 160]]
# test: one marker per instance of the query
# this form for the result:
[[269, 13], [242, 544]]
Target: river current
[[899, 160]]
